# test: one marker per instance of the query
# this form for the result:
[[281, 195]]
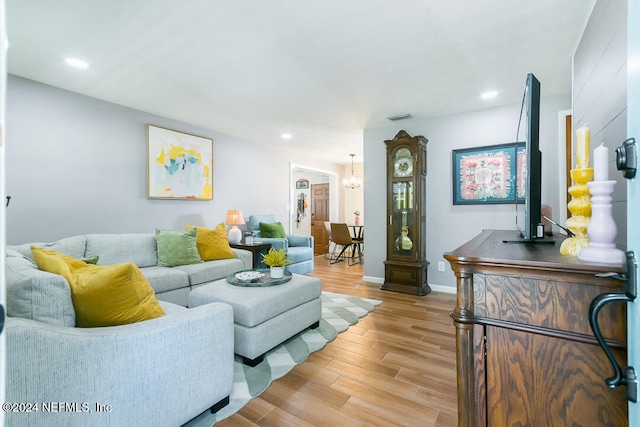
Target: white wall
[[3, 92], [77, 165], [450, 226], [599, 92]]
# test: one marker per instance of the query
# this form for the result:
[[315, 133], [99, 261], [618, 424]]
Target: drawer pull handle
[[629, 376]]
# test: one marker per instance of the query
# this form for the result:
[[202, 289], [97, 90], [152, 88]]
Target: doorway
[[565, 158], [314, 176]]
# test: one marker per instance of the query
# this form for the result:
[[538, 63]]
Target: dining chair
[[327, 225], [340, 235]]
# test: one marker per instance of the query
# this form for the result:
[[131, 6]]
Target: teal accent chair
[[299, 248]]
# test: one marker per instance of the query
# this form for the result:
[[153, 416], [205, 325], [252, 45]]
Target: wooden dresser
[[526, 355]]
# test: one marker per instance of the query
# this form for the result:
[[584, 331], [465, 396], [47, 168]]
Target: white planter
[[277, 272]]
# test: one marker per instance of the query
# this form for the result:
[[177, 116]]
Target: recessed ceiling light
[[490, 94], [78, 63], [286, 136]]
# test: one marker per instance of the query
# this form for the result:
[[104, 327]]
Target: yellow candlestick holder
[[580, 208]]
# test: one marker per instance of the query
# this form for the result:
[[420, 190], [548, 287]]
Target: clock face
[[403, 167], [402, 163]]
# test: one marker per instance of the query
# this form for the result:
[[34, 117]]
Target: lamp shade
[[234, 218]]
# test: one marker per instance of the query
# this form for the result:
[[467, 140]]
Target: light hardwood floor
[[396, 367]]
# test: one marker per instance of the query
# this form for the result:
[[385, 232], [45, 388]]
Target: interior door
[[319, 214], [633, 187]]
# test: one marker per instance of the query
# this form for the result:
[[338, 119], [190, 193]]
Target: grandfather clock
[[405, 269]]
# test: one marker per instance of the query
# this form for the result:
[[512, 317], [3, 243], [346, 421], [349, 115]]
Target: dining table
[[357, 231], [358, 240]]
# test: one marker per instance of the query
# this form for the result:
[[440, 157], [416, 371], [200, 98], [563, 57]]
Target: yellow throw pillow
[[112, 295], [109, 295], [55, 262], [213, 244]]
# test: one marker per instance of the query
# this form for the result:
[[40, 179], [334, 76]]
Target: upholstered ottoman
[[265, 317]]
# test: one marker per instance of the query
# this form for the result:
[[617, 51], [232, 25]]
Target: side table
[[256, 249]]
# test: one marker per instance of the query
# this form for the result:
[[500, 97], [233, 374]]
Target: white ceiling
[[320, 70]]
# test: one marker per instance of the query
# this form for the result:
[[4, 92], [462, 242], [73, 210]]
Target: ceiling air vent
[[400, 117]]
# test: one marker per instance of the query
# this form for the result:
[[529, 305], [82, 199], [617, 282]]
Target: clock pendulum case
[[405, 269]]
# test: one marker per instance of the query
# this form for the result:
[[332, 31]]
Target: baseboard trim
[[445, 289], [438, 288]]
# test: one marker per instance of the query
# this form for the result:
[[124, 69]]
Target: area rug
[[339, 311]]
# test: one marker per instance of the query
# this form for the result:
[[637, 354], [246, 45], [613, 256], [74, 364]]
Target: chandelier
[[352, 182]]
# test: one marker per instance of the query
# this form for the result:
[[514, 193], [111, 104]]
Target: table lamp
[[234, 218]]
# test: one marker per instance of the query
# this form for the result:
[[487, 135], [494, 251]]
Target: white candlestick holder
[[602, 228]]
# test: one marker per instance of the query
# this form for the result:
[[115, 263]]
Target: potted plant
[[276, 260]]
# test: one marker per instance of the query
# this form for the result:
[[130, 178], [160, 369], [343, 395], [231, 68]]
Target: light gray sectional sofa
[[160, 372]]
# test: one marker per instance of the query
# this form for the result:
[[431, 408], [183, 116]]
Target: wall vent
[[400, 117]]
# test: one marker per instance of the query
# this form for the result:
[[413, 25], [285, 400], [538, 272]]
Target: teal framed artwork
[[488, 174]]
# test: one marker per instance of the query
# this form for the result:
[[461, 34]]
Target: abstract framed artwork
[[179, 165], [487, 174]]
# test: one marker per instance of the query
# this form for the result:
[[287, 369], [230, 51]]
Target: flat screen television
[[529, 166]]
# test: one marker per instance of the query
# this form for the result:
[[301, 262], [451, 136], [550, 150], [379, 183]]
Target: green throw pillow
[[93, 259], [177, 247], [272, 230]]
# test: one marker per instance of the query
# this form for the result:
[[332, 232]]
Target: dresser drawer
[[546, 303]]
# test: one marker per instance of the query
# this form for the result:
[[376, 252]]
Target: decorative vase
[[357, 220], [277, 272], [580, 208], [602, 228]]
